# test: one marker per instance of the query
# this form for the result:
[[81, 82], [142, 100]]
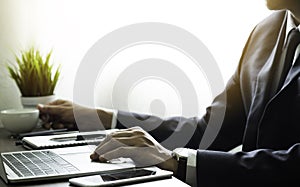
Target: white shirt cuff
[[114, 116], [192, 158], [191, 172]]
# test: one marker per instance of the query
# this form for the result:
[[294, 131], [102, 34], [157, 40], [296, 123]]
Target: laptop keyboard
[[37, 163]]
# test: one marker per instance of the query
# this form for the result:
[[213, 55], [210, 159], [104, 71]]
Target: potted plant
[[35, 77]]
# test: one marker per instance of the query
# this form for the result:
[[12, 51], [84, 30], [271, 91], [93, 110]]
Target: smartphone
[[129, 176]]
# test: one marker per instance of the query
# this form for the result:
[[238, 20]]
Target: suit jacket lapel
[[269, 76], [266, 86], [265, 89]]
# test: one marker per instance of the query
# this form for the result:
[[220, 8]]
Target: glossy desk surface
[[8, 144]]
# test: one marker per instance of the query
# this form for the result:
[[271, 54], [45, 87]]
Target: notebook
[[65, 140], [58, 163]]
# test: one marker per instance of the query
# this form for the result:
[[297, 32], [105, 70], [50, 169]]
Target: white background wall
[[71, 27]]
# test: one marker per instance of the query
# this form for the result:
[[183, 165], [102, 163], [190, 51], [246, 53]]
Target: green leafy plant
[[34, 75]]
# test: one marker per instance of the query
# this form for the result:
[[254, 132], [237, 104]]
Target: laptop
[[58, 163]]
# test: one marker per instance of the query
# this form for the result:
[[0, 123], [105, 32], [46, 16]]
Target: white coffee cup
[[19, 120]]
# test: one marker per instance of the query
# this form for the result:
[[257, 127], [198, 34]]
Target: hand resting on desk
[[137, 144]]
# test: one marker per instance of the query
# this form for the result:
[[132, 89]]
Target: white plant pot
[[31, 102]]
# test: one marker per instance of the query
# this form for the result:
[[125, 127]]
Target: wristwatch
[[181, 156]]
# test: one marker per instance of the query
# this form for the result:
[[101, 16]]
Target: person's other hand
[[136, 144], [57, 114], [60, 114]]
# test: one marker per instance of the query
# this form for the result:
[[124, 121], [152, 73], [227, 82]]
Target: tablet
[[129, 176]]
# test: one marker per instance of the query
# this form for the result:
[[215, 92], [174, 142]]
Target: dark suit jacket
[[250, 111]]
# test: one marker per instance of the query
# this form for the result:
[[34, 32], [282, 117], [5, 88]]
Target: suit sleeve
[[262, 167]]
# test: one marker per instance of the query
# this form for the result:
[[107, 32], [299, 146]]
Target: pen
[[41, 133], [79, 138]]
